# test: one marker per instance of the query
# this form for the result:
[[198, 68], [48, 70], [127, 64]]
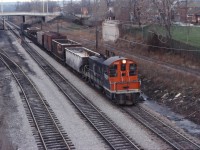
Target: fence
[[183, 42], [172, 46]]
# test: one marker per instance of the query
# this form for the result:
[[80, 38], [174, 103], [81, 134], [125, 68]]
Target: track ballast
[[46, 128], [174, 138]]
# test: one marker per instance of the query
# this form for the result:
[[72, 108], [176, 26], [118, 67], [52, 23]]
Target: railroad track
[[168, 134], [108, 130], [46, 128], [164, 131], [112, 134], [174, 138]]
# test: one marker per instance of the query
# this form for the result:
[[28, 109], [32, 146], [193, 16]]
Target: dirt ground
[[168, 86]]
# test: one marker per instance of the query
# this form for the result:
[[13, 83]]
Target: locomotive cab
[[116, 76], [121, 81]]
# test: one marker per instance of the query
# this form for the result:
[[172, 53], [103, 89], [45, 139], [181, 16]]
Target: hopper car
[[116, 76]]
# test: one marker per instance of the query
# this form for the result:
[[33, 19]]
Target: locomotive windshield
[[113, 71], [132, 69], [123, 67]]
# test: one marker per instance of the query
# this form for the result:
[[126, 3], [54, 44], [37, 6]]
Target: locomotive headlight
[[123, 61]]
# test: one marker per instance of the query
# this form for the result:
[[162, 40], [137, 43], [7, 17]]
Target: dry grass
[[159, 81]]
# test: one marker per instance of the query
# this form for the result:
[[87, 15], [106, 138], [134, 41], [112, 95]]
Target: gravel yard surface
[[131, 127], [15, 131]]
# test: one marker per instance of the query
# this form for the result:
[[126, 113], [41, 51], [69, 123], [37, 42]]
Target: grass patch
[[189, 35], [186, 34]]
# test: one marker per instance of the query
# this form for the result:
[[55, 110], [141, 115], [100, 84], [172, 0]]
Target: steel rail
[[162, 135], [159, 128], [29, 105], [75, 104], [78, 106], [26, 101]]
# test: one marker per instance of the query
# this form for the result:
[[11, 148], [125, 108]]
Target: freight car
[[59, 45], [115, 76], [77, 58], [48, 37], [31, 32]]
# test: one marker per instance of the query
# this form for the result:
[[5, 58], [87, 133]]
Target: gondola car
[[59, 45], [48, 37], [31, 32], [77, 58], [40, 38]]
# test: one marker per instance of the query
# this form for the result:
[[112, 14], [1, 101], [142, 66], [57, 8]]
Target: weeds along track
[[178, 68], [110, 132], [174, 138], [46, 128]]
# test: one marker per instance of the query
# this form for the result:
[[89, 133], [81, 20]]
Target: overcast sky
[[23, 0], [14, 0], [28, 0]]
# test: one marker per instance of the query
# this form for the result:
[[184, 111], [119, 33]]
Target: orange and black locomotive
[[116, 76]]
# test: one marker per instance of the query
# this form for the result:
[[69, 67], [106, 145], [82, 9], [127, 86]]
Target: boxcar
[[48, 37], [59, 45]]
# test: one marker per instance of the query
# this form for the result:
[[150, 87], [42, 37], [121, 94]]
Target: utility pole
[[96, 25], [57, 26], [3, 23], [89, 7], [43, 6], [2, 7], [72, 7], [47, 6]]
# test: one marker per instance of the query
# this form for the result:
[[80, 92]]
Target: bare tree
[[138, 10], [164, 15], [135, 11], [26, 6], [35, 6], [72, 7]]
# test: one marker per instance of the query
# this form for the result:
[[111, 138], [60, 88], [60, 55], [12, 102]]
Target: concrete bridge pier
[[43, 19], [24, 19], [4, 24]]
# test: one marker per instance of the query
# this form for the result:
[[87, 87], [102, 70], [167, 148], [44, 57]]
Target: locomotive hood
[[110, 60]]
